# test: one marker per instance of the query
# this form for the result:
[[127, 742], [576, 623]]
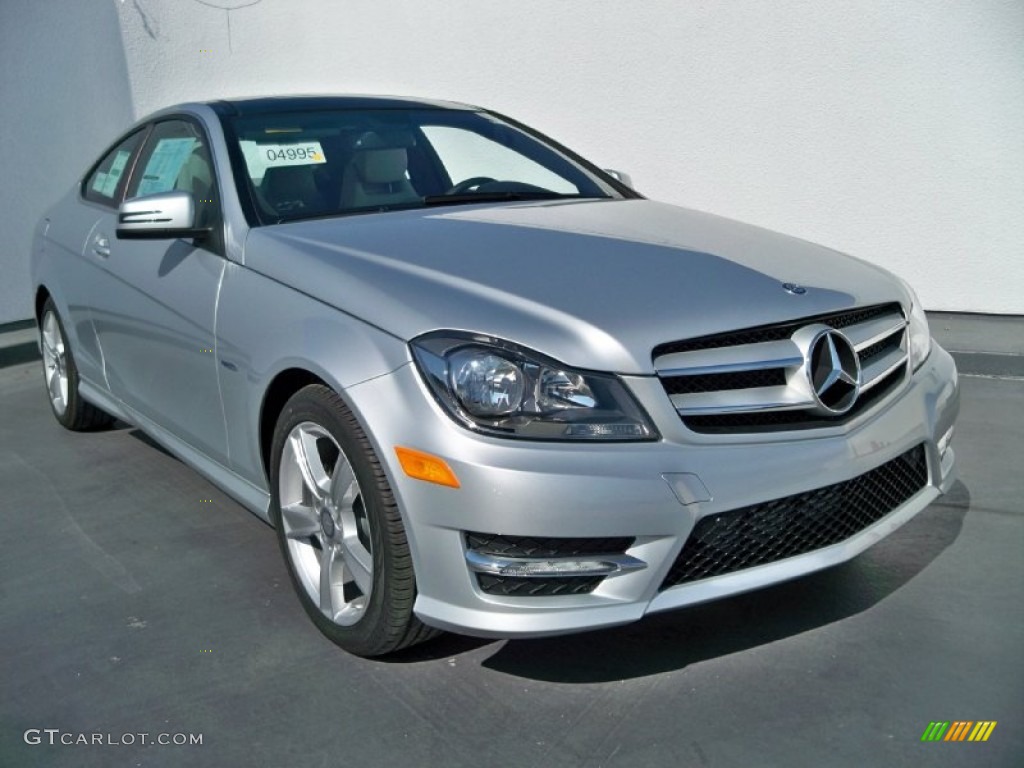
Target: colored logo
[[958, 730]]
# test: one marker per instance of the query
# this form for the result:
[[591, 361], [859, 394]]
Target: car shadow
[[18, 354], [176, 253], [674, 640], [142, 437]]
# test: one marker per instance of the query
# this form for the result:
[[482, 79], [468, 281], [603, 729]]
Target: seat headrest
[[289, 179], [381, 166]]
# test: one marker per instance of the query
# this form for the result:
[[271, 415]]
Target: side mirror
[[163, 216], [620, 176]]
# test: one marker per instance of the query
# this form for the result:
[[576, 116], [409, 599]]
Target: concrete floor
[[136, 598]]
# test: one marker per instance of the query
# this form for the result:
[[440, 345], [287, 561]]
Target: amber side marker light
[[423, 466]]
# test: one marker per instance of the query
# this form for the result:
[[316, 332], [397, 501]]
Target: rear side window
[[105, 185]]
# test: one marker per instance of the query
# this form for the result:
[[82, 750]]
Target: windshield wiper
[[493, 197]]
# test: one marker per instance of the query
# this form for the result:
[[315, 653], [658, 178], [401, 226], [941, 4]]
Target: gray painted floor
[[136, 598]]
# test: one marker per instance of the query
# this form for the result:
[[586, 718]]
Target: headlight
[[920, 338], [499, 388]]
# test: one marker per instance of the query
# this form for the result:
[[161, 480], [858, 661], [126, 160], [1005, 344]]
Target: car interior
[[365, 169]]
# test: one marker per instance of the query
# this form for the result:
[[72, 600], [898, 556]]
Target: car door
[[70, 235], [155, 319]]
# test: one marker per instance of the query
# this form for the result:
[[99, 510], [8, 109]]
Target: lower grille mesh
[[511, 586], [795, 525]]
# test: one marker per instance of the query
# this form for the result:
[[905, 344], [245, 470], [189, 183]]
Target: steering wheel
[[468, 184]]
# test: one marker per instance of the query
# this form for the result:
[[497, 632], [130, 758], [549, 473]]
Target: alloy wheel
[[55, 363], [325, 524]]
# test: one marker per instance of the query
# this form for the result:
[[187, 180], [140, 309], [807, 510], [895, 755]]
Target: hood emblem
[[795, 289], [833, 370]]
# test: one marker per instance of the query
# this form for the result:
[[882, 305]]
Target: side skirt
[[253, 498]]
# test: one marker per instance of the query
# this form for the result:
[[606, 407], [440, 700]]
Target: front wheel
[[339, 528]]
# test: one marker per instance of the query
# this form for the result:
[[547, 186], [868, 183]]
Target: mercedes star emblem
[[833, 370]]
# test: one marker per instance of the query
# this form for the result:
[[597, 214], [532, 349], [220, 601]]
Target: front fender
[[265, 327]]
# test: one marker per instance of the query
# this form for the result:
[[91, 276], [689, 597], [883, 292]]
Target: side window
[[176, 158], [466, 154], [106, 183]]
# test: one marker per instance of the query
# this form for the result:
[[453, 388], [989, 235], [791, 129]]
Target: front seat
[[376, 176], [292, 189]]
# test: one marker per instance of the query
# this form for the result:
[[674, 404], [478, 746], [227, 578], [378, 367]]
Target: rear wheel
[[339, 528], [61, 376]]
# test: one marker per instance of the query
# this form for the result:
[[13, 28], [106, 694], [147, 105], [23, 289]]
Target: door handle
[[101, 245]]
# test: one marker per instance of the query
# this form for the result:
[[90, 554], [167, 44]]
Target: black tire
[[387, 622], [69, 409]]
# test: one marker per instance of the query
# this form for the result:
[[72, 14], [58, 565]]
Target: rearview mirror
[[163, 216], [620, 176]]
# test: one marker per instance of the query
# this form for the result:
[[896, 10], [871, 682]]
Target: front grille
[[795, 525], [775, 331], [756, 380], [781, 421], [542, 547], [868, 354], [712, 382]]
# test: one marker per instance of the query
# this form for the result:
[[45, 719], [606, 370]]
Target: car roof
[[270, 104]]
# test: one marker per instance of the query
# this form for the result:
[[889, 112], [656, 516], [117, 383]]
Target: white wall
[[64, 94], [890, 130]]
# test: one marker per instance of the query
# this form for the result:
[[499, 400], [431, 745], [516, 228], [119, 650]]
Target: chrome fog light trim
[[945, 441]]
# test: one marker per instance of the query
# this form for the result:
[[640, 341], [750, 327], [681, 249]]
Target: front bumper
[[653, 493]]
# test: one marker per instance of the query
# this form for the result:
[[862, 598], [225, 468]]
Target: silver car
[[475, 382]]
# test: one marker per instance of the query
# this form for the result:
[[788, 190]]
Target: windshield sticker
[[306, 153], [164, 165], [259, 157]]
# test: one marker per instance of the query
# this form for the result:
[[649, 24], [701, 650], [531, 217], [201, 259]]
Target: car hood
[[596, 284]]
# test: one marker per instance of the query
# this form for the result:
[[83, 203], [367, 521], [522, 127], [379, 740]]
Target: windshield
[[298, 165]]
